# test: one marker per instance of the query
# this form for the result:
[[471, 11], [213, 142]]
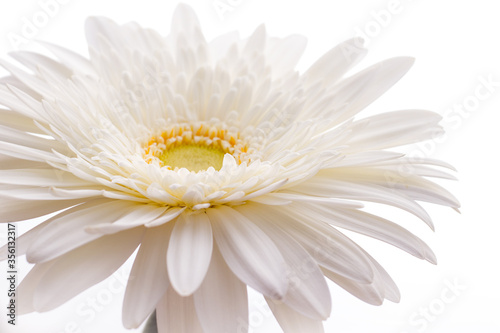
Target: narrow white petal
[[189, 252], [34, 61], [332, 201], [31, 81], [15, 82], [220, 44], [137, 216], [84, 267], [70, 59], [366, 191], [308, 292], [221, 301], [40, 177], [363, 88], [7, 162], [184, 20], [425, 171], [431, 161], [148, 280], [272, 200], [292, 321], [249, 252], [412, 186], [382, 287], [26, 153], [256, 42], [370, 293], [18, 121], [422, 189], [28, 286], [66, 231], [24, 241], [366, 158], [379, 228], [391, 290], [392, 129], [328, 246], [168, 216], [177, 314], [336, 62], [43, 193], [15, 209], [98, 28], [265, 190], [285, 53]]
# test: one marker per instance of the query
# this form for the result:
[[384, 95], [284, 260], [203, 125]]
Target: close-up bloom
[[222, 165]]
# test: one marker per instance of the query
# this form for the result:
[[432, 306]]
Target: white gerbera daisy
[[227, 167]]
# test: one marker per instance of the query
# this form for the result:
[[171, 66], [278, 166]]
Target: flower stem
[[151, 324]]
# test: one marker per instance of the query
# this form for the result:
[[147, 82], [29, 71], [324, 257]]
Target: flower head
[[224, 165]]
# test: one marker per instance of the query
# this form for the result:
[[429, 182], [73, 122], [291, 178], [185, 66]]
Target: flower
[[224, 165]]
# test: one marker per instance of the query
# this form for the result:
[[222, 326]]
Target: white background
[[456, 45]]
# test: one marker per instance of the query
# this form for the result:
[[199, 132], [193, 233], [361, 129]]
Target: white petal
[[66, 231], [137, 216], [7, 162], [40, 177], [177, 314], [361, 89], [292, 321], [31, 81], [391, 290], [424, 171], [366, 158], [52, 193], [148, 280], [220, 44], [366, 191], [422, 189], [249, 252], [332, 202], [336, 62], [18, 121], [308, 292], [168, 216], [27, 287], [15, 209], [379, 228], [271, 199], [328, 246], [97, 28], [370, 293], [284, 53], [221, 301], [256, 42], [189, 252], [24, 241], [15, 82], [10, 100], [26, 153], [34, 61], [84, 267], [412, 186], [71, 59], [184, 20], [382, 287], [267, 189], [392, 129]]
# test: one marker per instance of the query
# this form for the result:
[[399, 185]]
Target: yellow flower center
[[193, 157], [195, 147]]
